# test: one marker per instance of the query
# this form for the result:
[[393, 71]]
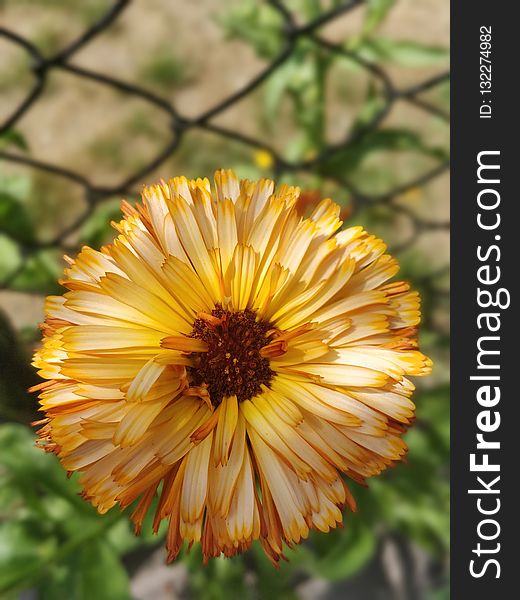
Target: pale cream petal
[[225, 429], [193, 243], [291, 318], [176, 436], [360, 327], [186, 286], [395, 405], [226, 185], [203, 209], [292, 248], [92, 339], [117, 370], [179, 187], [326, 216], [155, 200], [146, 302], [241, 520], [349, 304], [241, 274], [251, 201], [374, 274], [289, 503], [227, 232], [223, 477], [291, 437], [101, 305], [87, 453], [256, 421], [146, 277], [392, 362], [144, 380], [339, 374], [338, 412], [90, 265], [136, 422], [194, 490]]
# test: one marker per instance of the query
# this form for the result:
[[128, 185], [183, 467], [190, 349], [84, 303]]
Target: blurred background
[[346, 99]]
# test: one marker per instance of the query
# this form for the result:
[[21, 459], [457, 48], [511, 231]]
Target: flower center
[[232, 366]]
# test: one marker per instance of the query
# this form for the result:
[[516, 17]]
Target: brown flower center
[[232, 366]]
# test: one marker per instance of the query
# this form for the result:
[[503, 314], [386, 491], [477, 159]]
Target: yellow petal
[[227, 422], [144, 381], [242, 274]]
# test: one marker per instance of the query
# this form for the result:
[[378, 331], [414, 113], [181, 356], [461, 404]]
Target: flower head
[[232, 358]]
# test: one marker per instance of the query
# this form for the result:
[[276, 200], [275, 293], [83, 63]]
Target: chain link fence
[[180, 125]]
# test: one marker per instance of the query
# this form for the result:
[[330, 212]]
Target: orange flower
[[233, 358]]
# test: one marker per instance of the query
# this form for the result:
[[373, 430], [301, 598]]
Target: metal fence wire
[[292, 32]]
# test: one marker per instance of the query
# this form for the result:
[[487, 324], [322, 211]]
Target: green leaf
[[93, 572], [12, 137], [275, 88], [122, 537], [373, 105], [354, 547], [97, 229], [281, 586], [220, 578], [9, 257], [376, 12], [19, 555], [40, 273], [31, 469], [401, 52], [17, 185], [256, 23], [14, 219], [433, 410], [348, 160], [23, 459], [51, 537]]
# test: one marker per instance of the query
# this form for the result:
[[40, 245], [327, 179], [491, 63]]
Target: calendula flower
[[233, 359]]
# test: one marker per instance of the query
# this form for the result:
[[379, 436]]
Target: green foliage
[[41, 269], [373, 105], [376, 13], [14, 220], [9, 258], [40, 273], [256, 23], [48, 535], [348, 550], [351, 159], [17, 185], [401, 52], [165, 70], [93, 571], [222, 578], [97, 230], [14, 138], [303, 81]]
